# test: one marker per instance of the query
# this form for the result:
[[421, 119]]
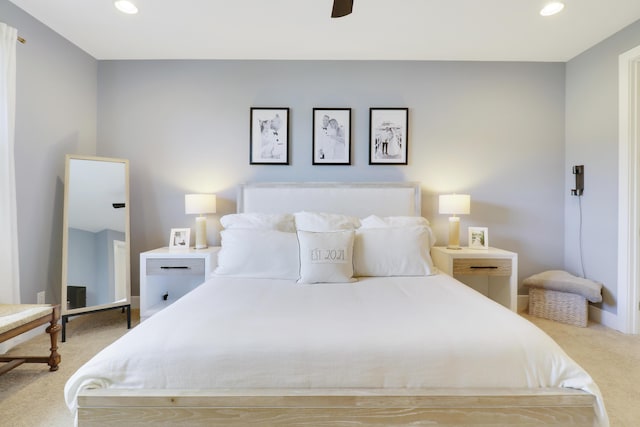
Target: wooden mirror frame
[[124, 303]]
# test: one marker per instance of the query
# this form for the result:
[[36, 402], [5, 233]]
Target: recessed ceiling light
[[552, 8], [126, 6]]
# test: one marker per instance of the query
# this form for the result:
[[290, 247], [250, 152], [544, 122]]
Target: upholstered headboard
[[359, 199]]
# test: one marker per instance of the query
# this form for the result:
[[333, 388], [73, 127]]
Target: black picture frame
[[331, 139], [388, 136], [269, 136]]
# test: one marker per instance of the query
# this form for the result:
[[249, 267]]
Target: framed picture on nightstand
[[179, 238], [478, 238]]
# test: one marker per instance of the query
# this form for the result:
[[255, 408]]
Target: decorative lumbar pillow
[[263, 254], [392, 251], [281, 222], [326, 257], [562, 281], [319, 221]]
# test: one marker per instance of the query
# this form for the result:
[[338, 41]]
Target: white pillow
[[264, 254], [392, 251], [374, 221], [282, 222], [326, 257], [318, 221]]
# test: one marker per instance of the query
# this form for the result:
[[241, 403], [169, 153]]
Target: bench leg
[[52, 330]]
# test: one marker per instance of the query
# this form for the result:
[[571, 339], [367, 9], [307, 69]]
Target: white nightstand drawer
[[166, 276], [175, 266], [492, 272], [482, 266]]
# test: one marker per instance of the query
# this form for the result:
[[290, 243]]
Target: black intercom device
[[578, 171]]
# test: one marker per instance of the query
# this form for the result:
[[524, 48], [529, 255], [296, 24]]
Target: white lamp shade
[[455, 204], [199, 204]]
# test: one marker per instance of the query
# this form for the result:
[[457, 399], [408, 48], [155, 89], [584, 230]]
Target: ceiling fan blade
[[341, 8]]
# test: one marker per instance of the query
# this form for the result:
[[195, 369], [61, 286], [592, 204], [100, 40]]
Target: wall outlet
[[40, 297]]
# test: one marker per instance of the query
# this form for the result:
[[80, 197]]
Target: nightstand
[[167, 275], [492, 272]]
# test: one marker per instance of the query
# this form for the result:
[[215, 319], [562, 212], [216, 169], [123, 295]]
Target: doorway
[[629, 193]]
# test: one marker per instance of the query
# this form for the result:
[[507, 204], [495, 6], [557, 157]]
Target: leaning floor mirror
[[95, 241]]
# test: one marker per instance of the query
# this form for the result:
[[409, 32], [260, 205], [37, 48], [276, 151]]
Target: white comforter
[[377, 332]]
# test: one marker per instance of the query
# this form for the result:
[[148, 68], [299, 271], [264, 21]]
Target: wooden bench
[[16, 319]]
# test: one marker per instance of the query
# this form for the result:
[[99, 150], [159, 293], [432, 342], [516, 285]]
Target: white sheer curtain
[[9, 272]]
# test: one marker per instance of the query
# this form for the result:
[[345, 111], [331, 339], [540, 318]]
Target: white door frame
[[628, 189], [119, 270]]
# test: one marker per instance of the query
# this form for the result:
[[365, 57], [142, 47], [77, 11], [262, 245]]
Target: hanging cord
[[580, 235]]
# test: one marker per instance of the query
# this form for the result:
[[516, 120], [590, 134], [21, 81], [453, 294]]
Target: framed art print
[[331, 136], [478, 238], [388, 135], [179, 239], [269, 136]]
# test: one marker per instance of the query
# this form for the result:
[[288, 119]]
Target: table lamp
[[454, 204], [200, 204]]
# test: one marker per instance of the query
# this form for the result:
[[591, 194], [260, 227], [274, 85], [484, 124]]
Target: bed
[[17, 319], [381, 349]]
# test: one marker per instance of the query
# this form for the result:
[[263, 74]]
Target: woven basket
[[562, 307]]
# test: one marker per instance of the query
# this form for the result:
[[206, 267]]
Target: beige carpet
[[611, 358], [31, 396]]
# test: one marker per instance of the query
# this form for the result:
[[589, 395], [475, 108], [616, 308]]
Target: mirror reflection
[[96, 241]]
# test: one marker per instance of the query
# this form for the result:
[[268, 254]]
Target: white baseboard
[[523, 302], [603, 317], [596, 314]]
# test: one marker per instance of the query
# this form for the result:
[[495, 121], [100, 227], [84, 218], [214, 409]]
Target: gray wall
[[495, 130], [184, 126], [55, 114], [592, 140]]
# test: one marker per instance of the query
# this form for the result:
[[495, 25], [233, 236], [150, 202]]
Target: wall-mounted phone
[[578, 171]]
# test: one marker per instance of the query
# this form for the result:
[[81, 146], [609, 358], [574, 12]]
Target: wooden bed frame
[[336, 407], [53, 360], [342, 407]]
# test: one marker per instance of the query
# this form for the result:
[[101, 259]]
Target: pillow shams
[[326, 257], [317, 221], [264, 254], [374, 221], [281, 222], [392, 251]]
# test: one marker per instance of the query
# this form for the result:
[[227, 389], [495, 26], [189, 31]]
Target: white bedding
[[391, 332]]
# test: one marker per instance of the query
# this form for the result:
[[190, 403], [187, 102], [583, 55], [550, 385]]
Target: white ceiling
[[486, 30]]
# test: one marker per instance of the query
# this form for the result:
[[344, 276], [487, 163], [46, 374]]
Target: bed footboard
[[337, 407]]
